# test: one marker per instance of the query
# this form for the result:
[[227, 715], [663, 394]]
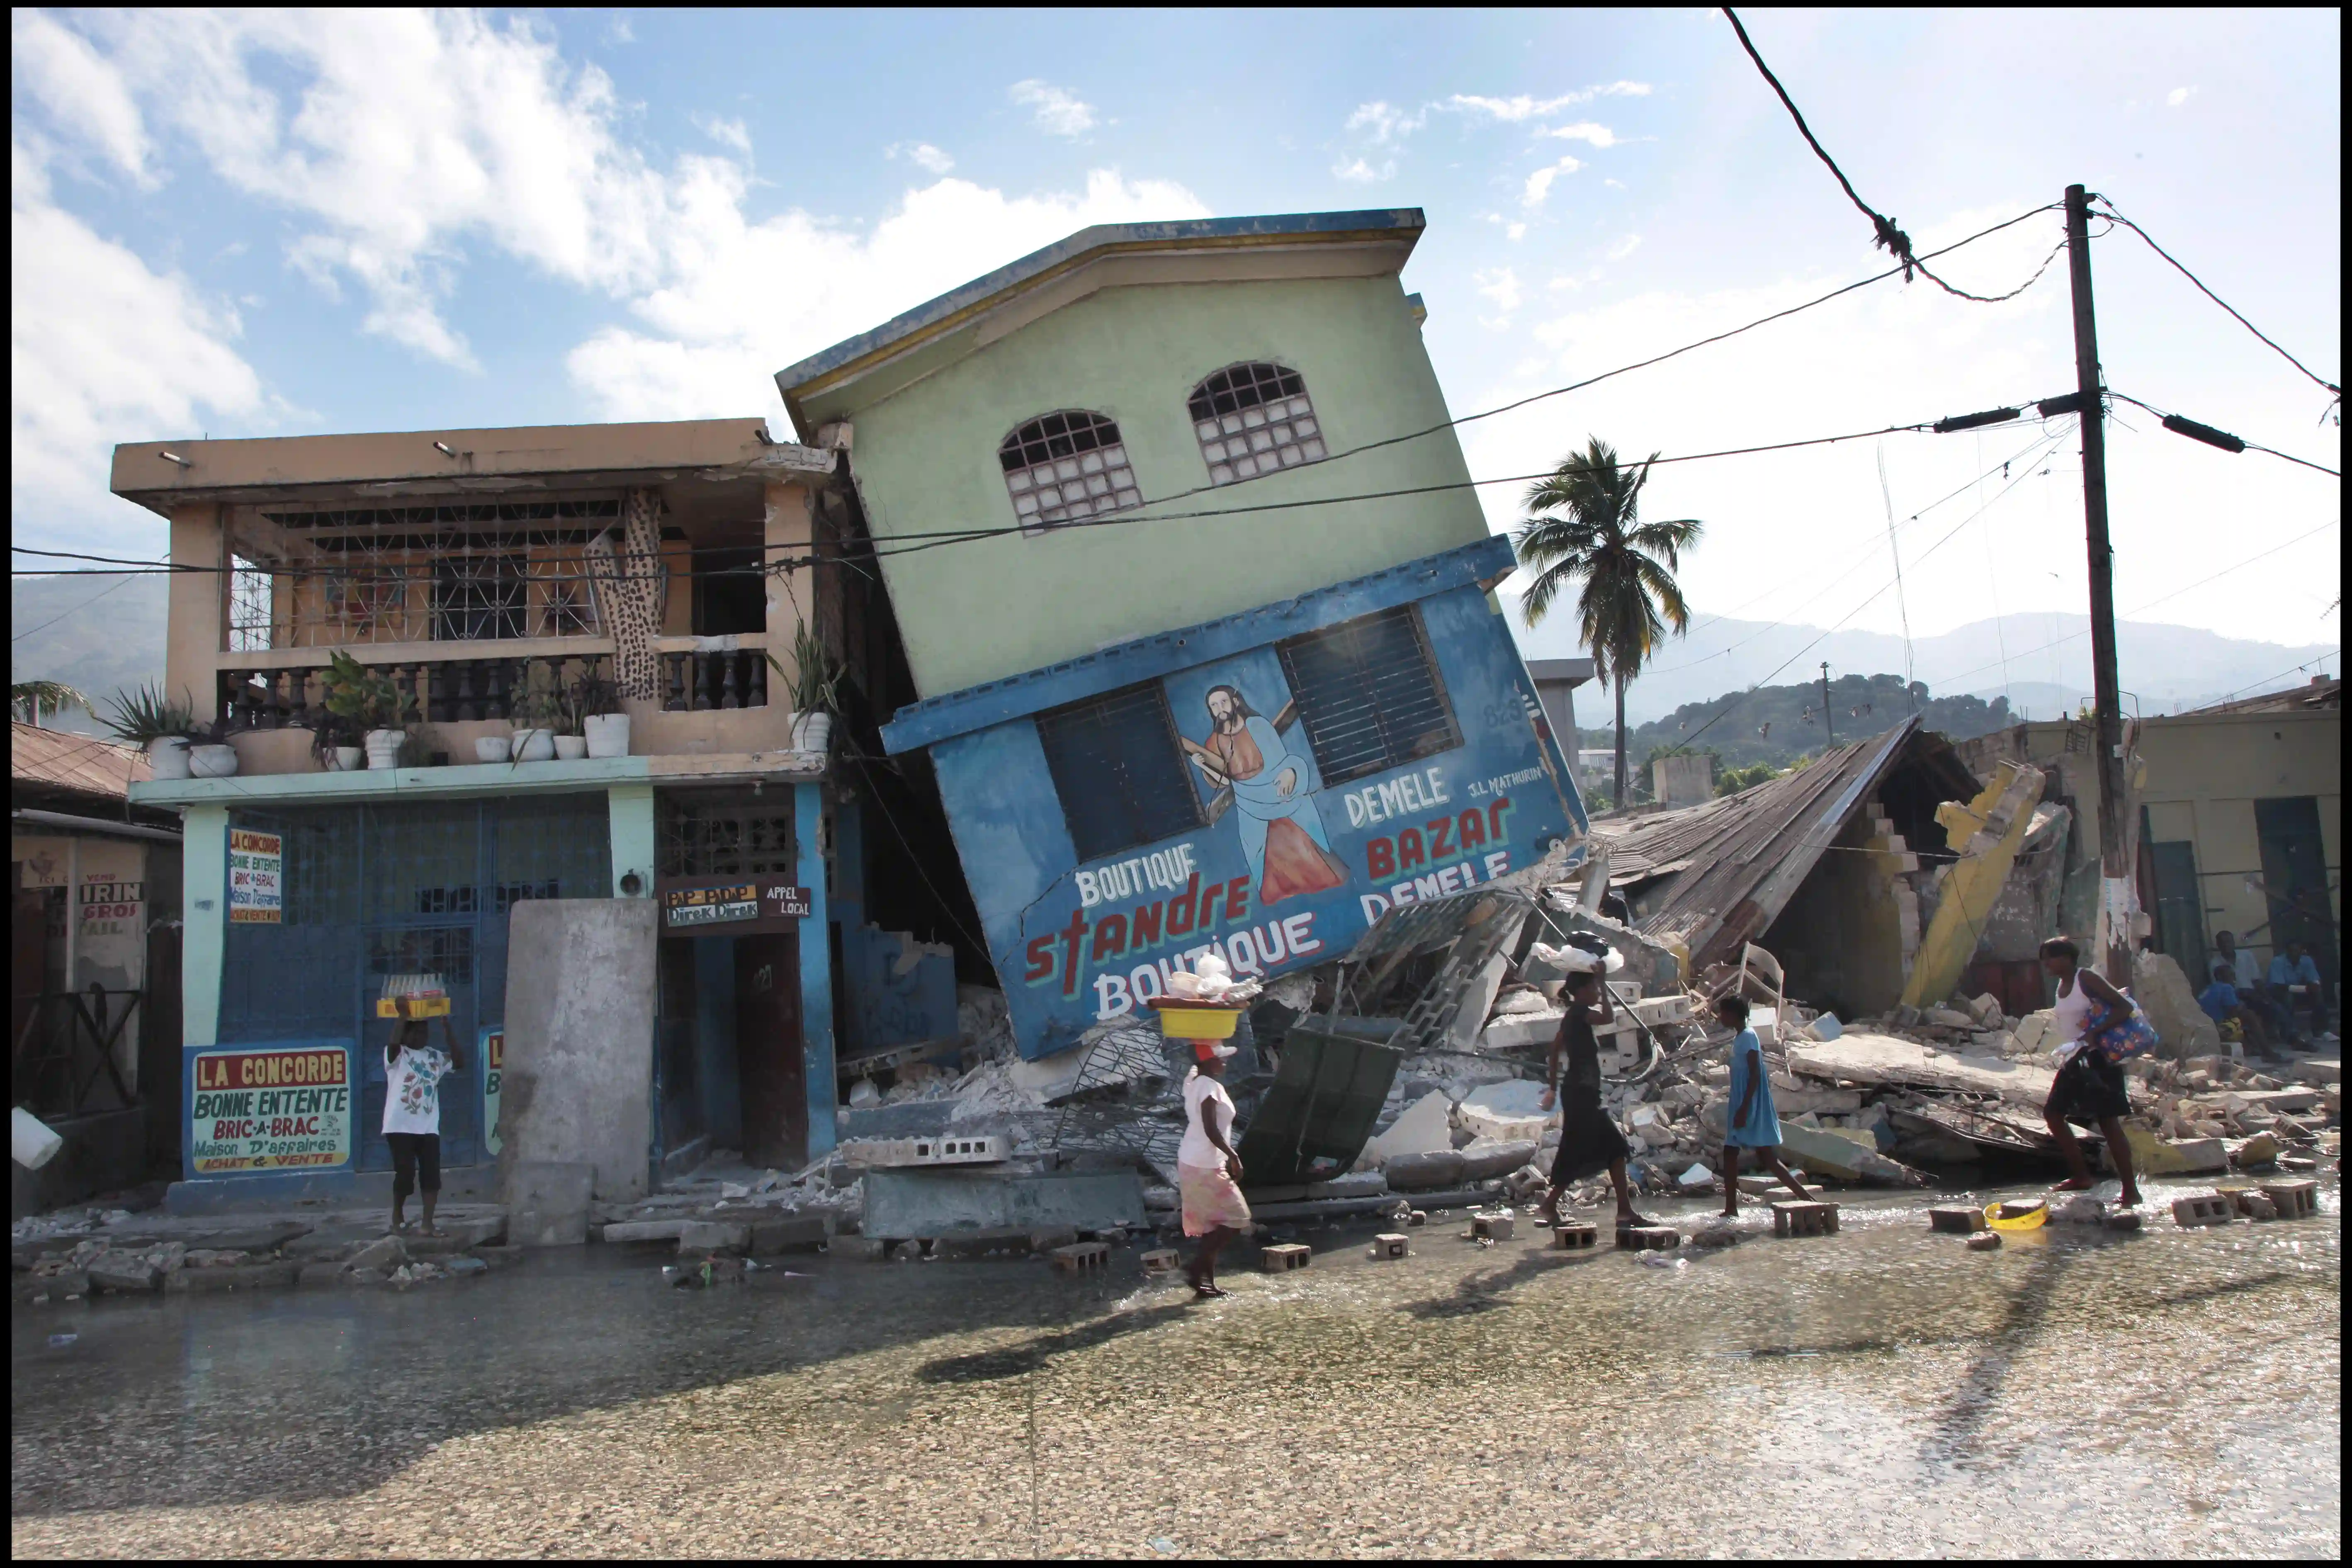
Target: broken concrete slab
[[1477, 1002], [2156, 1156], [1426, 1126], [1495, 1157], [626, 1231], [700, 1237], [1858, 1058], [1508, 1111], [929, 1202], [1518, 1031], [547, 1202], [1423, 1171], [2170, 1002]]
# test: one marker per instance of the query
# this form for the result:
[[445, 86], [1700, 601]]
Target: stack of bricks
[[1081, 1256], [1575, 1234], [1649, 1237], [1804, 1219]]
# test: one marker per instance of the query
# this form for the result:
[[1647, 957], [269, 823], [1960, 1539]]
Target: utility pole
[[2115, 866], [1828, 721]]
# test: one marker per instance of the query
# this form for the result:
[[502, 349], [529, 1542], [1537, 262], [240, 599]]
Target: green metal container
[[1318, 1114]]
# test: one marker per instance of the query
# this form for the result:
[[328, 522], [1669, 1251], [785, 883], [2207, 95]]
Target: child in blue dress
[[1751, 1122]]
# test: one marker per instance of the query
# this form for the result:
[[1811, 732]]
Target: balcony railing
[[461, 689]]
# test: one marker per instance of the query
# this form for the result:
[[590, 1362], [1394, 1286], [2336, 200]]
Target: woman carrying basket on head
[[2103, 1030], [1208, 1172]]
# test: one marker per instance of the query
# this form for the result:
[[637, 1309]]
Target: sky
[[243, 225]]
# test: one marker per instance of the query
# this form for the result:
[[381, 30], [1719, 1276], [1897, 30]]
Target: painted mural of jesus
[[1282, 832]]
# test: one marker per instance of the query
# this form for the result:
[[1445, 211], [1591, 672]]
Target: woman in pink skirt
[[1208, 1172]]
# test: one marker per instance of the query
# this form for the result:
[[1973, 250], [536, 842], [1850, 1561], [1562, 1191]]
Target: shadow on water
[[1485, 1292], [304, 1396]]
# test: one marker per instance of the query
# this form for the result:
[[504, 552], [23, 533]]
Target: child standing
[[413, 1072], [1752, 1122]]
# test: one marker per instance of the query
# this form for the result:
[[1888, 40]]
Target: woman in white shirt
[[1208, 1172]]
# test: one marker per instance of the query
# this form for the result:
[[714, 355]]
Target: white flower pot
[[534, 745], [167, 757], [571, 748], [812, 732], [349, 759], [383, 748], [212, 762], [607, 735], [493, 748]]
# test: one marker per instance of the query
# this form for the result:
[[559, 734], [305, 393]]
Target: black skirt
[[1588, 1141]]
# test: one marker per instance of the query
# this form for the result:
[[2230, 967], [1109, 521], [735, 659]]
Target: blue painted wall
[[1077, 944]]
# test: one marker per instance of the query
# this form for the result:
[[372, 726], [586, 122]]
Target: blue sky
[[289, 223]]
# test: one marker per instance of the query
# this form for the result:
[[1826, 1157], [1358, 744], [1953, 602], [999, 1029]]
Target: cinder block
[[2252, 1204], [1492, 1226], [1284, 1256], [1161, 1261], [1804, 1219], [1649, 1237], [2124, 1219], [1985, 1241], [1417, 1216], [1081, 1256], [1389, 1244], [1956, 1220], [1575, 1234], [2215, 1208], [2294, 1200]]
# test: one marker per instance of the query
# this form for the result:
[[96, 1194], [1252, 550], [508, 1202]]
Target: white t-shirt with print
[[411, 1090], [1203, 1096]]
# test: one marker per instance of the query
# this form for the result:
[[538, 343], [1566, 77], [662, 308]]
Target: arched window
[[1065, 465], [1253, 419]]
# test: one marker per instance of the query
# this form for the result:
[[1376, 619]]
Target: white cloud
[[84, 95], [1584, 130], [727, 132], [1382, 123], [1359, 172], [101, 349], [701, 352], [1625, 248], [1525, 106], [1539, 185], [1055, 111], [1514, 231], [1499, 285], [619, 31], [1613, 184], [922, 154], [2179, 96]]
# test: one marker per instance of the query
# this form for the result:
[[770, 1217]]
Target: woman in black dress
[[1589, 1140]]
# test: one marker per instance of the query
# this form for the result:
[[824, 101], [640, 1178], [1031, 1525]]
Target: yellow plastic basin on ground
[[1188, 1020], [2033, 1213]]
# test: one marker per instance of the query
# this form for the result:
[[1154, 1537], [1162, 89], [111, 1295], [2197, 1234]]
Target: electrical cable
[[2209, 293], [85, 604], [2250, 446], [1888, 237], [2291, 669]]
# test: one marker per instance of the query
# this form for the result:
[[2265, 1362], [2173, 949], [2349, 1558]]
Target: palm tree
[[1583, 522], [33, 697]]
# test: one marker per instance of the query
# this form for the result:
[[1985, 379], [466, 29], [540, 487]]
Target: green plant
[[147, 714], [329, 731], [814, 681], [31, 698], [586, 696], [1584, 521], [365, 697]]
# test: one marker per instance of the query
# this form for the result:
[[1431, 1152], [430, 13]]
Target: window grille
[[1253, 419], [1066, 466], [251, 600], [1119, 770], [477, 596], [724, 834], [1369, 694]]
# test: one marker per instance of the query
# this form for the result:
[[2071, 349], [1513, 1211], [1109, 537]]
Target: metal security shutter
[[1369, 694], [1119, 771]]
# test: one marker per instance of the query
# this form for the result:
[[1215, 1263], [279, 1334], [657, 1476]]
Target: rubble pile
[[130, 1257]]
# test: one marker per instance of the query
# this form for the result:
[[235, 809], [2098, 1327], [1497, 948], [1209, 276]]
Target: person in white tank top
[[2088, 1088]]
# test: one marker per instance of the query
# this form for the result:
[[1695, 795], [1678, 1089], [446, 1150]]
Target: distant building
[[94, 967], [1189, 678]]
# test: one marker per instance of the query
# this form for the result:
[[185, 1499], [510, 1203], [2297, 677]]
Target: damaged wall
[[1847, 939]]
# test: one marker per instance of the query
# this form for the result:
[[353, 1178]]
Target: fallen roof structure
[[1715, 877]]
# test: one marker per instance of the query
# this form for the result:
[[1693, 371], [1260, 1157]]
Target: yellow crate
[[412, 1007]]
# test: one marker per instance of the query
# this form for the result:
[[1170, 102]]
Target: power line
[[1888, 238], [78, 609], [2209, 293], [2207, 434], [2291, 669]]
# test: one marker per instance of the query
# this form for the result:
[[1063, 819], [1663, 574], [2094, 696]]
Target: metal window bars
[[1255, 418], [1061, 466]]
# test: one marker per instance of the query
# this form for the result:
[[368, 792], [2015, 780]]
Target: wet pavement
[[1880, 1392]]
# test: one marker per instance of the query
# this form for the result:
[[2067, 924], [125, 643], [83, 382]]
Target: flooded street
[[1880, 1392]]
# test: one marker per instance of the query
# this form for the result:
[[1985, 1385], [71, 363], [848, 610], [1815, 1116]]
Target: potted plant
[[335, 743], [814, 683], [147, 719], [536, 715], [373, 704], [595, 702]]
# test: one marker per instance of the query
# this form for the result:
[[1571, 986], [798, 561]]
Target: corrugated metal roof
[[2293, 699], [58, 759], [1743, 857]]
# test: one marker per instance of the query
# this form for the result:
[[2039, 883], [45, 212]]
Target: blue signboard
[[1284, 868]]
